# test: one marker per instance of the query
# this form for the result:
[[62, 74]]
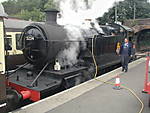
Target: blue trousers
[[124, 61]]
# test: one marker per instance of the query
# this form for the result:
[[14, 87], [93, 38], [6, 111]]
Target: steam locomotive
[[41, 44]]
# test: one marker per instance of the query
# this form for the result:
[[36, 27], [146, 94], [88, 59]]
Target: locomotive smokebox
[[42, 42], [51, 16]]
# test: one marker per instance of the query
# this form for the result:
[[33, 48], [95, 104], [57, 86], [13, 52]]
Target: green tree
[[125, 10], [51, 5], [34, 15], [10, 7], [28, 9]]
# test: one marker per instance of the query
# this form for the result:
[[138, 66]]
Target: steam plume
[[74, 13]]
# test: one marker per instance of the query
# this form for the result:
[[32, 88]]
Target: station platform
[[96, 97]]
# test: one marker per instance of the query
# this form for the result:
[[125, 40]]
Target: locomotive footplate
[[70, 76], [48, 83], [66, 72]]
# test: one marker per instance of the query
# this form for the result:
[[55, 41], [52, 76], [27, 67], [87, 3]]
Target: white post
[[2, 49], [134, 13], [116, 15]]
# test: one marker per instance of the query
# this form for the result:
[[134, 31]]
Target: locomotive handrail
[[17, 69], [38, 75], [65, 40]]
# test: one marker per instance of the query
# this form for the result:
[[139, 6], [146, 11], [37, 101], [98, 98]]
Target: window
[[18, 42], [8, 44]]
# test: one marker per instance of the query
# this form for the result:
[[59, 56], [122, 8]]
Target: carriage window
[[18, 42], [8, 44]]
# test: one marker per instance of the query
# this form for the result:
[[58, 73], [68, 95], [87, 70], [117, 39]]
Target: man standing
[[125, 52]]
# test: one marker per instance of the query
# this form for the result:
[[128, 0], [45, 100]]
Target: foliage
[[28, 9], [34, 15], [50, 4], [125, 10]]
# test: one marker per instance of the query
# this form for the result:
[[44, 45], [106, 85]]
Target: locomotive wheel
[[78, 80], [88, 74]]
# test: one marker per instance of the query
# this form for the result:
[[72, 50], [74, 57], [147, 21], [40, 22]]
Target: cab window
[[18, 42], [8, 43]]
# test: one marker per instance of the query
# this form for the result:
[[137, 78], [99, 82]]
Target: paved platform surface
[[104, 99]]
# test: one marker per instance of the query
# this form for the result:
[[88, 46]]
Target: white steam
[[76, 11], [68, 56], [73, 16]]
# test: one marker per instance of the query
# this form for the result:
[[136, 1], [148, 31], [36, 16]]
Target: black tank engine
[[41, 44]]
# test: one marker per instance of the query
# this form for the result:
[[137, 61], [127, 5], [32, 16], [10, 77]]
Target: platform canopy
[[2, 11]]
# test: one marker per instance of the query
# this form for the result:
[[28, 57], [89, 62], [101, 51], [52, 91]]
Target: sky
[[101, 0], [2, 0], [104, 6]]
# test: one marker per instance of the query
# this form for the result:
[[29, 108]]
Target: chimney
[[51, 16]]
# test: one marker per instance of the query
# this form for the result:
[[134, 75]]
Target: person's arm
[[118, 48], [131, 51]]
